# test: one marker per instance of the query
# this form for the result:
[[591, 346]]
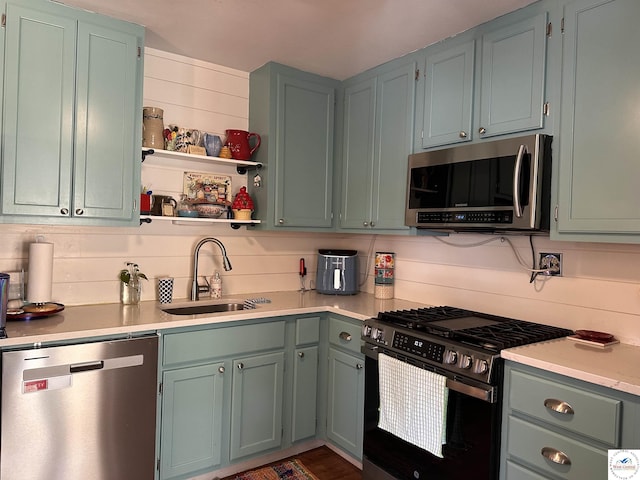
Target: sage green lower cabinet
[[555, 427], [345, 389], [305, 393], [256, 405], [192, 401]]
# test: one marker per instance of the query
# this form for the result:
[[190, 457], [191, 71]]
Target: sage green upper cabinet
[[71, 120], [598, 193], [513, 77], [448, 100], [378, 137], [294, 112], [487, 81]]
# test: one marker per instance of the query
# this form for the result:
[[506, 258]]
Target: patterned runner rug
[[289, 470]]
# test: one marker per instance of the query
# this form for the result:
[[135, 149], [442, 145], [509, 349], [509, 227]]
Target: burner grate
[[511, 333]]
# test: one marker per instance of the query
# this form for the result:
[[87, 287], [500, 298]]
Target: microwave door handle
[[516, 180]]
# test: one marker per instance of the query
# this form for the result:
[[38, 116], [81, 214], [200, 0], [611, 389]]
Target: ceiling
[[335, 38]]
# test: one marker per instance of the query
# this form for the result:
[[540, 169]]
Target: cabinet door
[[107, 167], [256, 405], [191, 419], [37, 136], [393, 140], [513, 76], [358, 154], [448, 97], [305, 390], [598, 171], [304, 153], [345, 415]]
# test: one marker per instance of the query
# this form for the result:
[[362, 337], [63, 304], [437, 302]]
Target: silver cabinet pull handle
[[559, 406], [555, 456], [345, 336], [359, 366], [372, 224], [240, 366], [365, 224], [64, 211], [281, 221], [482, 130], [221, 369], [79, 211], [301, 354], [462, 134]]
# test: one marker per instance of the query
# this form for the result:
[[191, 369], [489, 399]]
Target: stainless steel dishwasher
[[79, 412]]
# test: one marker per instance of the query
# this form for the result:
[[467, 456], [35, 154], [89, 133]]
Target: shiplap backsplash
[[600, 287]]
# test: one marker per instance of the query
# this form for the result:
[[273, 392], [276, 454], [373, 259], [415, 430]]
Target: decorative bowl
[[209, 210], [188, 213]]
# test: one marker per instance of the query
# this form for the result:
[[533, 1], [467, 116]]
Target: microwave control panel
[[477, 217]]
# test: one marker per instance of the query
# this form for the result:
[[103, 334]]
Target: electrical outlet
[[552, 263]]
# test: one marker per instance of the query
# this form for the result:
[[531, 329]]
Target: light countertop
[[114, 319], [614, 367]]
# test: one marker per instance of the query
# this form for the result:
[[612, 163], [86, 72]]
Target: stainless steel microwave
[[493, 186]]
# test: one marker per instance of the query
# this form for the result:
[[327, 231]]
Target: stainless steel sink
[[197, 309]]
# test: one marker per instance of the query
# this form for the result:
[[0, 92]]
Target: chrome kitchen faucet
[[195, 288]]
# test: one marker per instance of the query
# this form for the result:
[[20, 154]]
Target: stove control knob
[[366, 330], [377, 334], [465, 361], [480, 366], [451, 357]]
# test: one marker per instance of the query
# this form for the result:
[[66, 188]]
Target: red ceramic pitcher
[[238, 143]]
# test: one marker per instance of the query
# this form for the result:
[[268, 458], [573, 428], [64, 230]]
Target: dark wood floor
[[326, 465]]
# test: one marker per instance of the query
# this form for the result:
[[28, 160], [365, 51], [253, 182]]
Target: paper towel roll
[[40, 272]]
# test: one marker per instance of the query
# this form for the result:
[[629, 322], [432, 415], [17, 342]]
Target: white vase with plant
[[130, 285]]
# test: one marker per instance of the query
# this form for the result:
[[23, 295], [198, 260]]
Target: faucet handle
[[204, 288]]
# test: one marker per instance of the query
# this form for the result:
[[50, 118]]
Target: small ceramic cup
[[212, 144]]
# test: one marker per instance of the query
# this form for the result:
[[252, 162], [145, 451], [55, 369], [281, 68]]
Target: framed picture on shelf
[[207, 187]]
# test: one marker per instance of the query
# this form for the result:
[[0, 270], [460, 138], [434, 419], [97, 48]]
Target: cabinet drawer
[[595, 416], [525, 441], [517, 472], [221, 342], [307, 330], [345, 334]]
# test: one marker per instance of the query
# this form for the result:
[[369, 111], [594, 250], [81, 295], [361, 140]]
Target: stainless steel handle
[[559, 406], [516, 180], [79, 211], [240, 366], [345, 336], [359, 366], [64, 211], [365, 224], [221, 369], [85, 367], [281, 221], [482, 130], [487, 395], [301, 354], [372, 224], [555, 456], [462, 134]]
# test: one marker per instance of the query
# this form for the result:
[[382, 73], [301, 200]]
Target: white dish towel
[[413, 404]]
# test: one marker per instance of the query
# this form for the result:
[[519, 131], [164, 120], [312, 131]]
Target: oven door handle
[[485, 394]]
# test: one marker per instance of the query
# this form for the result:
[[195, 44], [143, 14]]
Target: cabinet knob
[[64, 211], [555, 456], [79, 211], [559, 406], [281, 221], [365, 224], [301, 354], [482, 130], [221, 369], [359, 366], [372, 224], [345, 336], [240, 366], [462, 134]]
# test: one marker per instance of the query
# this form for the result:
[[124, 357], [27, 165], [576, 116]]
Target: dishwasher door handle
[[85, 367]]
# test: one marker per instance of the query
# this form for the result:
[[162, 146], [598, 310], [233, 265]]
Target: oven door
[[473, 440]]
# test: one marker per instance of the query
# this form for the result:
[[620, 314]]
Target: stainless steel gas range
[[462, 348]]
